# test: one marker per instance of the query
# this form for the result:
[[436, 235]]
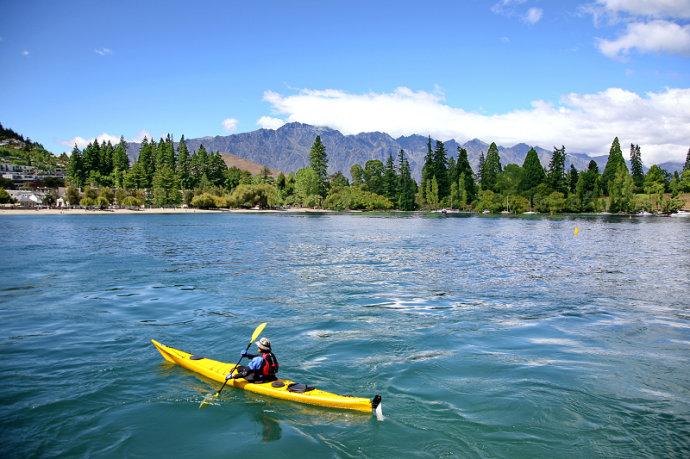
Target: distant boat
[[529, 212], [486, 211], [681, 213], [644, 214]]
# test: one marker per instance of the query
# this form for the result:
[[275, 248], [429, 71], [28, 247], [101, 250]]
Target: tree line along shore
[[166, 175]]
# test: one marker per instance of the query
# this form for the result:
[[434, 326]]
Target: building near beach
[[27, 198]]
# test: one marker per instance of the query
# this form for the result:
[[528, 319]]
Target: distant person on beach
[[262, 367]]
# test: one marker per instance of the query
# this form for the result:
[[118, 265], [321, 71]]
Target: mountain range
[[287, 149]]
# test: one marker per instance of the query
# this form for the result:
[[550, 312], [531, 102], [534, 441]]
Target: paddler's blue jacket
[[255, 363]]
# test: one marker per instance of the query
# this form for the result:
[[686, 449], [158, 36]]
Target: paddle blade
[[258, 331], [207, 400]]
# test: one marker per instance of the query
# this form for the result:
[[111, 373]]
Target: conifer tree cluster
[[394, 182], [161, 168], [165, 173], [446, 182]]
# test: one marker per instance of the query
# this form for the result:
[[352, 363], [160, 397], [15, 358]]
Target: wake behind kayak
[[280, 388]]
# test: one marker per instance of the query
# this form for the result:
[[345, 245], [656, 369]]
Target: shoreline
[[151, 211], [174, 211]]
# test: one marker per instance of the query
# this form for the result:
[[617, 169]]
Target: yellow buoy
[[576, 231]]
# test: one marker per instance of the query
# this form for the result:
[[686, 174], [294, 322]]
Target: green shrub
[[132, 201], [102, 202], [555, 202], [488, 200], [354, 198], [204, 201], [87, 202], [5, 197], [518, 204], [313, 200], [221, 201], [247, 196]]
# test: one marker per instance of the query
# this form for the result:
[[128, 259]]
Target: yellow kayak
[[281, 388]]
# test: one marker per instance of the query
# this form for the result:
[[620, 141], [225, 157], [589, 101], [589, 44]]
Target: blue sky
[[542, 72]]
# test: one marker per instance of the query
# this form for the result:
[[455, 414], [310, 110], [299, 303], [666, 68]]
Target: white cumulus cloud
[[652, 8], [230, 124], [268, 122], [658, 121], [82, 142], [533, 15], [103, 51], [649, 37]]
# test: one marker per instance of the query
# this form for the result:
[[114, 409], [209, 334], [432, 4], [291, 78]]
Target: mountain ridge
[[287, 148]]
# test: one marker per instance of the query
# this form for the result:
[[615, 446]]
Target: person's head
[[264, 344]]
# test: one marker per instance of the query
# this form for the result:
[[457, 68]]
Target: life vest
[[269, 367]]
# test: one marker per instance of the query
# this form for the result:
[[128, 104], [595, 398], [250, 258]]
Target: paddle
[[255, 335]]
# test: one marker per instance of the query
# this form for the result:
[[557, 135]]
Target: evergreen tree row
[[160, 168], [168, 173]]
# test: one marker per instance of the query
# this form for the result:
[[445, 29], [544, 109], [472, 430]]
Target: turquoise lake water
[[486, 337]]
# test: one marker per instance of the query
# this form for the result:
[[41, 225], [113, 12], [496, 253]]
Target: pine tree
[[533, 173], [453, 172], [91, 155], [75, 168], [491, 169], [480, 167], [159, 153], [135, 177], [556, 178], [636, 166], [621, 191], [593, 167], [463, 167], [106, 158], [406, 185], [427, 169], [169, 154], [440, 168], [147, 161], [120, 163], [614, 162], [120, 159], [463, 196], [587, 188], [199, 166], [166, 187], [686, 167], [390, 179], [183, 168], [572, 178], [215, 170], [318, 161], [432, 193]]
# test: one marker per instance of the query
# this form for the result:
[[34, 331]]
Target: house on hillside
[[17, 172]]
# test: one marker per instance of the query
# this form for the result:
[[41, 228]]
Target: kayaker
[[262, 367]]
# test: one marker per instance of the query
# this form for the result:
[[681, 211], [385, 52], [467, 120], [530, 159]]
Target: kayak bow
[[281, 388]]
